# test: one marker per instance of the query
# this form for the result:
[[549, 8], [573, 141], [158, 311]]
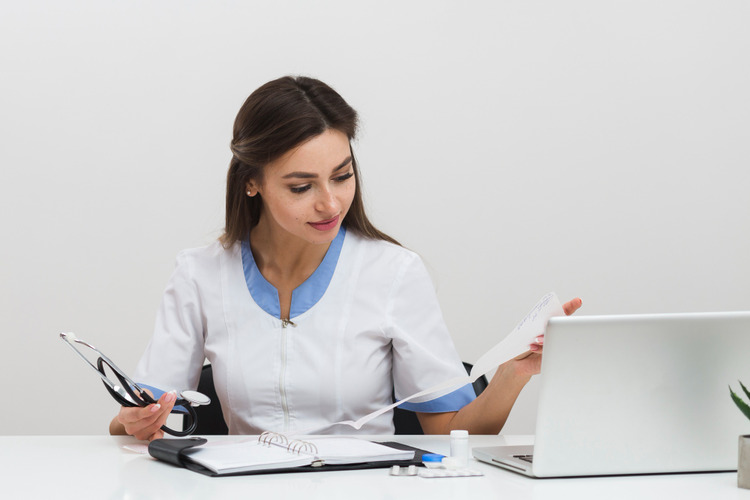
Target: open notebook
[[253, 455]]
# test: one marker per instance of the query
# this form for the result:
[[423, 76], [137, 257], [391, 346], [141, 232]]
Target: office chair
[[211, 418]]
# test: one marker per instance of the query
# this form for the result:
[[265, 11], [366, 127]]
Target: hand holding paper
[[523, 335]]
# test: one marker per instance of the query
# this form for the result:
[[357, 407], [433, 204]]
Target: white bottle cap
[[460, 434]]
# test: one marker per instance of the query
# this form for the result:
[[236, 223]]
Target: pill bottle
[[460, 446]]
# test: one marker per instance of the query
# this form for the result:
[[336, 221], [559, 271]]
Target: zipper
[[282, 375]]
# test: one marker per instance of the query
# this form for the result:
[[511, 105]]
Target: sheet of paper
[[514, 344], [139, 448], [524, 334], [245, 455], [344, 450]]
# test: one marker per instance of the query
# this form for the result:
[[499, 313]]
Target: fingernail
[[539, 340], [155, 408], [171, 396]]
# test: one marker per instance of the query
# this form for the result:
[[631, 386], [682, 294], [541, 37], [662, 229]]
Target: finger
[[156, 435], [150, 412], [168, 398], [161, 410], [131, 415], [149, 434], [523, 356], [144, 427], [145, 422], [572, 306], [148, 429], [531, 365], [137, 414]]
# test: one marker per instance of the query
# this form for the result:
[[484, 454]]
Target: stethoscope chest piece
[[195, 398]]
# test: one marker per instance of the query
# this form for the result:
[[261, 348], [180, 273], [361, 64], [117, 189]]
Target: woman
[[308, 313]]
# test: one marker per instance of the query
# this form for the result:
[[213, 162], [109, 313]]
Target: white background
[[595, 148]]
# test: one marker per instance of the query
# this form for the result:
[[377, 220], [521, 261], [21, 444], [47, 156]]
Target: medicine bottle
[[460, 446]]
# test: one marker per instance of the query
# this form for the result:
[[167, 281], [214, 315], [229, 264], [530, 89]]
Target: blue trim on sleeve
[[304, 296], [159, 393], [453, 401]]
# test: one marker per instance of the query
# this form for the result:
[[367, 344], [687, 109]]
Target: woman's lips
[[325, 225]]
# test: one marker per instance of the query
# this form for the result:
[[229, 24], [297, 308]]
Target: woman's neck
[[285, 260]]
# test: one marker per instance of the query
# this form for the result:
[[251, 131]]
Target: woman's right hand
[[145, 422]]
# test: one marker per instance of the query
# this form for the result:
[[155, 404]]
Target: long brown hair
[[278, 116]]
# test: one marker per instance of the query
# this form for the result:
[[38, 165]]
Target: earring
[[249, 193]]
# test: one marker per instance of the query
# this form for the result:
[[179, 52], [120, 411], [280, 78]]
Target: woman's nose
[[326, 202]]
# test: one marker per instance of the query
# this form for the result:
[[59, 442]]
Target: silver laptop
[[636, 394]]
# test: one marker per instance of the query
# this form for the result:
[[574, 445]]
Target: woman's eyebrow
[[309, 175]]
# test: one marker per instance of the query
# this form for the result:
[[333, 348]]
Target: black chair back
[[210, 418]]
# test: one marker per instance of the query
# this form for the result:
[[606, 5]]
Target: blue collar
[[304, 296]]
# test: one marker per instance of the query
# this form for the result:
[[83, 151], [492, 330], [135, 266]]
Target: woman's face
[[307, 192]]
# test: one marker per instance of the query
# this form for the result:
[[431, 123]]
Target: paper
[[514, 344], [245, 456], [524, 334], [137, 448]]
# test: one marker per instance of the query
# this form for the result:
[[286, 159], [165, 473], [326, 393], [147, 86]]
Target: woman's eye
[[344, 177], [300, 189]]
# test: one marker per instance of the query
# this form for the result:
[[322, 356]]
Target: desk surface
[[99, 467]]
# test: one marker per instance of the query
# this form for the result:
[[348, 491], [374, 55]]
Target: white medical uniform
[[365, 324]]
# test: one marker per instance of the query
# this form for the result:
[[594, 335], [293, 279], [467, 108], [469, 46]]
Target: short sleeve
[[423, 351], [175, 355]]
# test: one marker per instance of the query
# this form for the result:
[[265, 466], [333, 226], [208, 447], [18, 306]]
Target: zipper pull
[[286, 322]]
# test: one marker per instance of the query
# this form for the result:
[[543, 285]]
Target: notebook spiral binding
[[295, 446], [268, 438]]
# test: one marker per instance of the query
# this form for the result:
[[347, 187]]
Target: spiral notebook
[[275, 453]]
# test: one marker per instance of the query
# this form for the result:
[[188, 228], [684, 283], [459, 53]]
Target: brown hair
[[278, 116]]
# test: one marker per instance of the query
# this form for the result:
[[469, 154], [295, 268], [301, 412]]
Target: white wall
[[593, 148]]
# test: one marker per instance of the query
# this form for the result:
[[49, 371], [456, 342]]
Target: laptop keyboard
[[525, 458]]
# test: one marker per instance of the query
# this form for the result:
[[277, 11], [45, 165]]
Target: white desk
[[97, 467]]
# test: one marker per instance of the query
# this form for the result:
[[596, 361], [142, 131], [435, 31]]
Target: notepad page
[[338, 450], [245, 455]]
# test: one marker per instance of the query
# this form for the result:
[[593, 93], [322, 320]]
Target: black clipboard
[[172, 451]]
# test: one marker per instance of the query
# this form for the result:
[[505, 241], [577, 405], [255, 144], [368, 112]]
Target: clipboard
[[173, 451]]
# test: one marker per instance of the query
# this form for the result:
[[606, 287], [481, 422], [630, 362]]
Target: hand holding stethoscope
[[129, 394]]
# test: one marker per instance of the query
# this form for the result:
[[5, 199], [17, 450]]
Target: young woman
[[308, 313]]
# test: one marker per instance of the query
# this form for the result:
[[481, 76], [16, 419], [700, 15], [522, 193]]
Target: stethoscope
[[130, 394]]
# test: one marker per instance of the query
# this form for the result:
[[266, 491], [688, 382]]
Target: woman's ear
[[251, 188]]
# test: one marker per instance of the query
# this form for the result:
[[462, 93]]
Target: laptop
[[636, 394]]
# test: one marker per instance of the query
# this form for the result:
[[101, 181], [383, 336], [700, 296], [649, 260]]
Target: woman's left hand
[[530, 363]]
